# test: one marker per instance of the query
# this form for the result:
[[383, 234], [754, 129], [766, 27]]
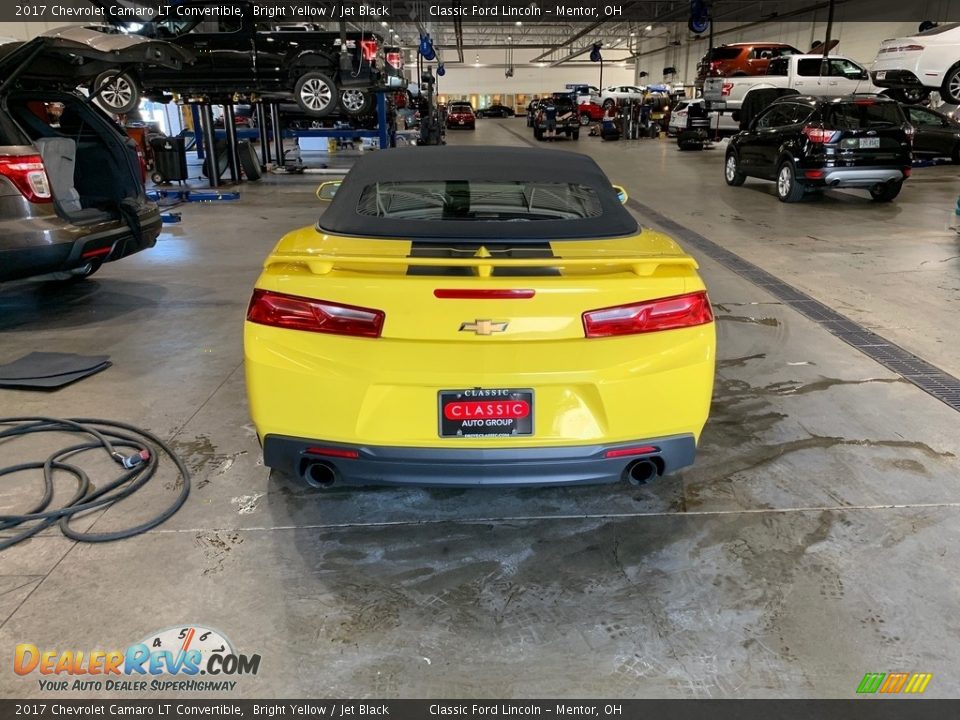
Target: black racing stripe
[[469, 250]]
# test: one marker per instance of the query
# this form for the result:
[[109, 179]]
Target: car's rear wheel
[[116, 94], [951, 85], [316, 94], [731, 171], [955, 155], [887, 192], [538, 133], [788, 189], [356, 102], [575, 135], [584, 119], [608, 103]]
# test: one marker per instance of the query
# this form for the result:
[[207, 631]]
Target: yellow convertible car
[[478, 316]]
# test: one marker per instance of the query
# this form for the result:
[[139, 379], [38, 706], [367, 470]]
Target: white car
[[723, 123], [919, 64], [612, 94]]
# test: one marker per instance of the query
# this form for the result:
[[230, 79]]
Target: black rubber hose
[[106, 435]]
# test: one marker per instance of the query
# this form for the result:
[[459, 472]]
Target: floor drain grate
[[927, 377]]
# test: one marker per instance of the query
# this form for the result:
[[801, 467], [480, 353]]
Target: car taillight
[[143, 164], [28, 175], [299, 313], [911, 132], [820, 136], [395, 59], [670, 313], [369, 49]]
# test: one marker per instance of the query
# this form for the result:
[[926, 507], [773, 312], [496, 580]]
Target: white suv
[[611, 95], [916, 65]]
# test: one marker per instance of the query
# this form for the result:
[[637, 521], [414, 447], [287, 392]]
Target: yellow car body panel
[[383, 391]]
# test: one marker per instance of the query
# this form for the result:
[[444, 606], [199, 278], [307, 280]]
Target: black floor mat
[[49, 370]]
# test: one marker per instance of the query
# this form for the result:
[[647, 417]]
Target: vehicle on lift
[[525, 314], [807, 143], [557, 114], [460, 115], [832, 75], [917, 65], [71, 182], [613, 95], [740, 59], [495, 111], [935, 134], [717, 123], [238, 57]]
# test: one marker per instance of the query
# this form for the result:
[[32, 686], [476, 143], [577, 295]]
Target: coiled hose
[[138, 469]]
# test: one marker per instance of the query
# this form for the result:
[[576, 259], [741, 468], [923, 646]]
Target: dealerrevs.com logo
[[177, 659]]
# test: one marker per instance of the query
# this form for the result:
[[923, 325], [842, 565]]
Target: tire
[[912, 96], [575, 135], [249, 162], [731, 171], [608, 103], [538, 133], [789, 190], [950, 92], [354, 101], [315, 94], [887, 192], [584, 120], [158, 178], [118, 94], [955, 155]]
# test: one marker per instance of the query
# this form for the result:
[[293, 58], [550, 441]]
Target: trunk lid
[[868, 132], [480, 293]]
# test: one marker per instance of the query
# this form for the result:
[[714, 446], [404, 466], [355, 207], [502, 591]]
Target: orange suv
[[740, 59]]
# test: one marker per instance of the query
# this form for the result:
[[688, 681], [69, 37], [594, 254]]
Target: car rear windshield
[[863, 115], [725, 53], [479, 201], [461, 108], [946, 27]]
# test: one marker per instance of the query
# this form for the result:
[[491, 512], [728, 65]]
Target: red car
[[460, 115], [741, 59], [590, 113]]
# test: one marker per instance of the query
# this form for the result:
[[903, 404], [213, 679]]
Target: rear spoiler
[[640, 265]]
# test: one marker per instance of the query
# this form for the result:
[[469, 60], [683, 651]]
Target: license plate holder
[[485, 413]]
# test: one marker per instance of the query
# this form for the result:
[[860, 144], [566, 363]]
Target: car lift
[[271, 143]]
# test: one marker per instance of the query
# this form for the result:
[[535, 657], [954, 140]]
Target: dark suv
[[238, 56], [813, 143], [71, 182], [557, 114]]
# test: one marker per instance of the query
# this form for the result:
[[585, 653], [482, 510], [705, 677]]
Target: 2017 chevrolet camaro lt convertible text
[[478, 316]]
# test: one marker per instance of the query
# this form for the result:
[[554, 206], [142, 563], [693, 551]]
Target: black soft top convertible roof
[[479, 164]]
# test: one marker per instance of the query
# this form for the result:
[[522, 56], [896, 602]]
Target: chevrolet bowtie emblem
[[484, 327]]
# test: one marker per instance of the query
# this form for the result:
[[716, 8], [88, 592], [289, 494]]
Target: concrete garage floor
[[816, 539]]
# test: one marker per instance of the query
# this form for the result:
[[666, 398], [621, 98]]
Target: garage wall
[[489, 78], [858, 39]]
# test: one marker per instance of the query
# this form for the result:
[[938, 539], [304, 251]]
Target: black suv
[[811, 143], [557, 114], [238, 56]]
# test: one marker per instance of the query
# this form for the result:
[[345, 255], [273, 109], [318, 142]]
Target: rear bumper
[[896, 79], [858, 177], [46, 244], [460, 467]]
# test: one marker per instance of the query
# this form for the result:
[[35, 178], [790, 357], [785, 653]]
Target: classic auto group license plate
[[486, 412]]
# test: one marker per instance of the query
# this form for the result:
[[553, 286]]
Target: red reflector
[[300, 313], [96, 253], [652, 316], [492, 410], [333, 452], [630, 452], [907, 172], [465, 294], [814, 174], [28, 175]]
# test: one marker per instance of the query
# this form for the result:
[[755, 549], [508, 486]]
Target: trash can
[[169, 159]]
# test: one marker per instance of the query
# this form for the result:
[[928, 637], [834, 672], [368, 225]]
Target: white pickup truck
[[807, 74]]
